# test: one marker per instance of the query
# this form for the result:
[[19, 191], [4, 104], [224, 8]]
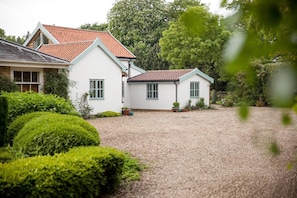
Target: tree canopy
[[18, 39], [196, 40], [138, 24], [95, 26]]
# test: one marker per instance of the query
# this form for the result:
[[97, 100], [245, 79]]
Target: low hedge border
[[54, 133], [81, 172], [18, 124]]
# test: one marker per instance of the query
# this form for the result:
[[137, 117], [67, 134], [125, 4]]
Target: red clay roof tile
[[67, 51], [67, 35], [160, 75]]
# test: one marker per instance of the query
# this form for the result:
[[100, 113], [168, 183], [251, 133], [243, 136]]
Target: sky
[[17, 17]]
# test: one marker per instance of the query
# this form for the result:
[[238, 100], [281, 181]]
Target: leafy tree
[[267, 30], [15, 39], [95, 26], [195, 40], [138, 24], [178, 7]]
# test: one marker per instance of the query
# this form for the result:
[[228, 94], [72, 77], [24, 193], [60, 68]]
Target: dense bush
[[22, 103], [82, 172], [54, 133], [7, 85], [57, 83], [3, 118], [18, 124], [108, 114]]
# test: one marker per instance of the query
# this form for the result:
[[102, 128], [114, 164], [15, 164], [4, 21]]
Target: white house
[[158, 89], [99, 63], [27, 67], [102, 67]]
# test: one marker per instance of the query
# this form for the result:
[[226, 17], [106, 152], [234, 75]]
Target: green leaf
[[274, 148], [286, 119], [290, 166], [243, 112]]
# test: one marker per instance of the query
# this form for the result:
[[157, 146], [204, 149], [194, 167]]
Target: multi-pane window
[[97, 89], [40, 39], [194, 89], [26, 80], [152, 91]]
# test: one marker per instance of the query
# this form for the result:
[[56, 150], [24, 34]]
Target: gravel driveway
[[208, 153]]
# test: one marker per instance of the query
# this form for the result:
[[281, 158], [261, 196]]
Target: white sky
[[19, 16]]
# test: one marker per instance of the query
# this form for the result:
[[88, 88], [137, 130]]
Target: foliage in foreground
[[3, 118], [18, 124], [265, 30], [26, 102], [82, 172], [131, 169], [54, 133]]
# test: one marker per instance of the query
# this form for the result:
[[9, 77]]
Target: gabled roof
[[74, 52], [169, 75], [67, 51], [15, 53], [60, 35]]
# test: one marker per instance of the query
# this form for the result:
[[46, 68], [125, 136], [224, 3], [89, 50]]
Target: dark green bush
[[54, 133], [82, 172], [57, 83], [3, 118], [7, 85], [27, 102], [18, 124]]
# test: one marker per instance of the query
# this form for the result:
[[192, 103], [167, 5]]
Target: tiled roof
[[160, 75], [66, 35], [67, 51], [14, 52]]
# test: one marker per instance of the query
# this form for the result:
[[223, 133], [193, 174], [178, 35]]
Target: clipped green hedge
[[19, 123], [3, 118], [54, 133], [26, 102], [82, 172]]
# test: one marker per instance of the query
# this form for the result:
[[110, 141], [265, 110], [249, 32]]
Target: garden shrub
[[200, 104], [81, 172], [54, 133], [7, 85], [26, 102], [5, 155], [18, 124], [3, 118], [228, 100], [108, 114], [57, 83]]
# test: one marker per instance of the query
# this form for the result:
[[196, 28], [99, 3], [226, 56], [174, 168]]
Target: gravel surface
[[208, 153]]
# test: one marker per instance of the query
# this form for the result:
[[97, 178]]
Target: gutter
[[175, 82]]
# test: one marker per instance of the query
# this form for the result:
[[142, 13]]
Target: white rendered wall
[[166, 96], [127, 96], [184, 91], [97, 65]]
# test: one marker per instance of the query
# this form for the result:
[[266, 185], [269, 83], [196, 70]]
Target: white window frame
[[97, 92], [152, 91], [194, 89], [21, 83]]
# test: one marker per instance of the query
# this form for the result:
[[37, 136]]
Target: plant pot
[[125, 112]]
